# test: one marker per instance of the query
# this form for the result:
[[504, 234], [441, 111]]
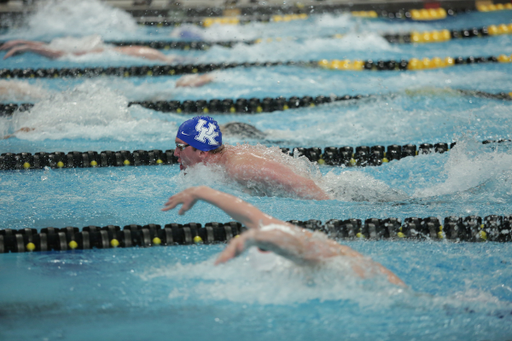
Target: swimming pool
[[456, 290]]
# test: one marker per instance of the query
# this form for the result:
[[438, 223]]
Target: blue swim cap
[[201, 132]]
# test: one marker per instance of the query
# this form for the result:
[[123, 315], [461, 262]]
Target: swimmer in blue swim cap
[[301, 246], [263, 170]]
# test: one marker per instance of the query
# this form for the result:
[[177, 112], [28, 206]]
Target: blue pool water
[[455, 291]]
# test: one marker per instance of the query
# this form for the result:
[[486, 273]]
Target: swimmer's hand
[[187, 198], [236, 246], [236, 208]]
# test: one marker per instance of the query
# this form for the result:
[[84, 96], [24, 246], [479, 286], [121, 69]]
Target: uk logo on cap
[[206, 133], [201, 132]]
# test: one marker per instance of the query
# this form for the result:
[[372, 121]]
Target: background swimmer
[[20, 91], [60, 47], [242, 130], [14, 90], [301, 246]]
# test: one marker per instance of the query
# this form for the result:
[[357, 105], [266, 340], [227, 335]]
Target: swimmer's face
[[187, 156]]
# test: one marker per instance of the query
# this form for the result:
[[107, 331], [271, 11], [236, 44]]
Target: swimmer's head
[[201, 132], [197, 138]]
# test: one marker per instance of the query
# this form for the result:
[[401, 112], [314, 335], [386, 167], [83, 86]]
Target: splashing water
[[56, 18], [18, 91], [471, 164], [271, 279], [357, 186], [88, 111], [212, 175]]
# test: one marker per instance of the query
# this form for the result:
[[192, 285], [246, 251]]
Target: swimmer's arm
[[145, 52], [238, 209], [275, 174], [299, 247], [194, 80], [296, 245], [13, 43], [41, 50]]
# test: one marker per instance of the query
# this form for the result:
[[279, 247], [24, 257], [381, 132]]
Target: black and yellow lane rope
[[112, 236], [433, 13], [488, 6], [268, 104], [413, 64], [439, 36], [429, 14], [495, 228], [422, 14], [222, 20], [415, 14], [434, 36], [360, 156], [180, 69]]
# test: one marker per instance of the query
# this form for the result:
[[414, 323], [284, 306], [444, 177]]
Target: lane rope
[[347, 156], [251, 105], [420, 14], [493, 228], [171, 70], [402, 38], [210, 16]]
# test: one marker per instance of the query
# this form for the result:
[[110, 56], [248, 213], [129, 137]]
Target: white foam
[[90, 111], [270, 279], [14, 91], [469, 165], [55, 18], [357, 186], [333, 21], [290, 49]]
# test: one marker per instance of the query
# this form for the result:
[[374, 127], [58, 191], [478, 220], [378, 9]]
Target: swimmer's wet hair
[[215, 151]]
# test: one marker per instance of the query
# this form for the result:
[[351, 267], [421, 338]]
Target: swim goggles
[[181, 146]]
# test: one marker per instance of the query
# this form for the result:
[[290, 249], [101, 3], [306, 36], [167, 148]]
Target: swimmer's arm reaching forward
[[12, 43], [289, 241], [238, 209], [39, 49]]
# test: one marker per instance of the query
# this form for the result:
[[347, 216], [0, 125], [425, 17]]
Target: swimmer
[[242, 130], [20, 91], [199, 140], [21, 130], [60, 47], [300, 246]]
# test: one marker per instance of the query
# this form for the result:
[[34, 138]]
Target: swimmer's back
[[243, 130]]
